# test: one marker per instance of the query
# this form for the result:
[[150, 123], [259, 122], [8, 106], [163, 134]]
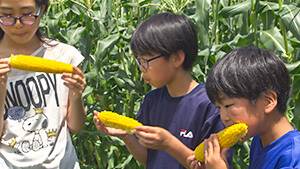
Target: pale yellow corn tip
[[227, 138], [115, 120]]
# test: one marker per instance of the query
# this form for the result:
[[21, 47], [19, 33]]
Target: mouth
[[20, 34], [243, 137], [243, 134], [146, 80], [242, 130]]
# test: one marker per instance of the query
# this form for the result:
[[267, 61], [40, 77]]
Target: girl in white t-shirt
[[37, 110]]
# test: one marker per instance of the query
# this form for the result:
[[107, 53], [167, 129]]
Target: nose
[[224, 116], [18, 22]]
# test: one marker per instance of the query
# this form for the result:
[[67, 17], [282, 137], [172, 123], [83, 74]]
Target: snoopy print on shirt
[[29, 102]]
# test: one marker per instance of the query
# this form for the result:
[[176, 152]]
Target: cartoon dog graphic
[[35, 124]]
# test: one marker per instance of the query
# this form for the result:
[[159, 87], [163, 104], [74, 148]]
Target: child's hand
[[153, 137], [214, 157], [192, 163], [75, 82], [107, 130], [4, 69]]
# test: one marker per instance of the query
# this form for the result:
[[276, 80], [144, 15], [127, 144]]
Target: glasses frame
[[20, 18], [139, 61]]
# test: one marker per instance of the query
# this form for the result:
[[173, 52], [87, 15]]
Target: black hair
[[38, 32], [248, 72], [166, 33]]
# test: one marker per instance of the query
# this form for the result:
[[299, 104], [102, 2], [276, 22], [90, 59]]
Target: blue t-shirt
[[191, 118], [282, 153]]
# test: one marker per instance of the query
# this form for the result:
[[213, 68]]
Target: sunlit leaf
[[233, 10], [273, 40], [202, 20], [75, 35], [290, 15], [294, 68]]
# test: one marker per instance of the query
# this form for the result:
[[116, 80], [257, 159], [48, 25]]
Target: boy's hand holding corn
[[213, 150], [107, 130], [153, 137], [215, 157]]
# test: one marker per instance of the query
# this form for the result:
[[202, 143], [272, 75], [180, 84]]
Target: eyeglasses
[[25, 19], [145, 62]]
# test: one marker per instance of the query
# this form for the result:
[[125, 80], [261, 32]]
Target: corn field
[[101, 30]]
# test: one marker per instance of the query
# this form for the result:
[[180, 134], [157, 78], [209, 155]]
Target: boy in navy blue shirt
[[252, 86], [178, 114]]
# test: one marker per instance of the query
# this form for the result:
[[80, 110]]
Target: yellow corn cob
[[37, 64], [227, 138], [115, 120]]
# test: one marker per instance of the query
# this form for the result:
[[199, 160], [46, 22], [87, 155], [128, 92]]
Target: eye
[[5, 14], [28, 13], [227, 106]]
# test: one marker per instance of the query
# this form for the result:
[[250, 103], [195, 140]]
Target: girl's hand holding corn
[[75, 82], [4, 69]]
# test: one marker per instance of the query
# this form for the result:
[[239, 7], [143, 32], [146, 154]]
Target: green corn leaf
[[74, 35], [273, 40], [233, 10], [290, 15]]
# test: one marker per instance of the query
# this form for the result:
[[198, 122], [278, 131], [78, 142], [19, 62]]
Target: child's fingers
[[205, 148], [4, 70], [4, 60], [142, 135], [147, 129], [210, 145], [78, 71], [96, 112], [191, 158], [193, 165], [95, 118], [74, 82], [4, 66], [74, 79], [191, 162], [74, 87], [215, 143], [156, 134], [223, 155], [77, 76]]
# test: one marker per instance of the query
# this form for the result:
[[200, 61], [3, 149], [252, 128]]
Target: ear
[[270, 99], [178, 58]]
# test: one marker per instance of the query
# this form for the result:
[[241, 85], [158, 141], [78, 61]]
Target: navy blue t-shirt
[[191, 118]]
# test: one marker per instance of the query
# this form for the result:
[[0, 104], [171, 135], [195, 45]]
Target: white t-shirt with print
[[35, 133]]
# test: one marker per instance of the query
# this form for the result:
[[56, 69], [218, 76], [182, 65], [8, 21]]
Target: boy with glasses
[[178, 114]]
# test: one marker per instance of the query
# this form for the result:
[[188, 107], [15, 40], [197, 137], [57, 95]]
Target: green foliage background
[[101, 30]]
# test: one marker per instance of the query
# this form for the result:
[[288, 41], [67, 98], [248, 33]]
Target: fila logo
[[185, 134]]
